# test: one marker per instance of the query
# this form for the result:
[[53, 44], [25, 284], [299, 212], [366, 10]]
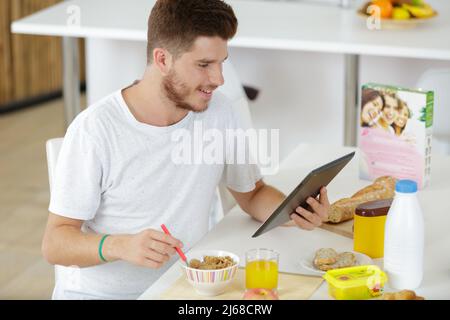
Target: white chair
[[438, 80], [53, 147], [233, 90]]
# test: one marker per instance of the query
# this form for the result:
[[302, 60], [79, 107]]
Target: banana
[[412, 2], [423, 11]]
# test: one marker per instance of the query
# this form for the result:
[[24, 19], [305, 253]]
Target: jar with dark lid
[[374, 208], [370, 218]]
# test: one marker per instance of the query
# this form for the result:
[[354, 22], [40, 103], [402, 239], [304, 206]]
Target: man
[[116, 181]]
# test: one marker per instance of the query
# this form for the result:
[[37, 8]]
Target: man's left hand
[[308, 220]]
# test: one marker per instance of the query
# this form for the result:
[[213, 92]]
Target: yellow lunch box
[[356, 283]]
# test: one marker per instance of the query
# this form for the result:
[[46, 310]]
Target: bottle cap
[[406, 186]]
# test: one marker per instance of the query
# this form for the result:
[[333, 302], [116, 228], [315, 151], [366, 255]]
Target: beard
[[177, 92]]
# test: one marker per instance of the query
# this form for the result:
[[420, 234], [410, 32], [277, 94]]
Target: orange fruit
[[385, 6]]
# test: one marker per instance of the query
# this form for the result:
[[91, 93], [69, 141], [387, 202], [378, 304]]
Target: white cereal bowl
[[210, 282]]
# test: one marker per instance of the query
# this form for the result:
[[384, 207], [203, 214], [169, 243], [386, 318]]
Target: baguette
[[344, 209]]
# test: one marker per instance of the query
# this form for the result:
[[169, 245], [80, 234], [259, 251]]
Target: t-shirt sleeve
[[76, 190], [241, 172]]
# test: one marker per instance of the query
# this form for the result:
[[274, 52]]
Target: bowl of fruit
[[397, 14]]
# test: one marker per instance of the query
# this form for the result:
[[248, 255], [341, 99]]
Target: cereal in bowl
[[212, 263]]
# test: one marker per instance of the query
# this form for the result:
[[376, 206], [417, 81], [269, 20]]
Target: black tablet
[[309, 187]]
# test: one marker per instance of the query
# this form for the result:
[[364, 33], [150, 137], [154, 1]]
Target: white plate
[[307, 263]]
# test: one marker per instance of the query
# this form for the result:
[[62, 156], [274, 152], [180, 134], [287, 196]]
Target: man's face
[[390, 109], [196, 74]]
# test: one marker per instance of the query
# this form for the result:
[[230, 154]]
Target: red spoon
[[180, 253]]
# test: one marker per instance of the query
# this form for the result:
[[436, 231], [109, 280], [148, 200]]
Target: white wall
[[111, 65], [301, 94], [396, 71]]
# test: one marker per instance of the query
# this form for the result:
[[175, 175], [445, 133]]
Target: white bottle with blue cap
[[404, 238]]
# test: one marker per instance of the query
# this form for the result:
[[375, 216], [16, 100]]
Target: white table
[[263, 24], [234, 232]]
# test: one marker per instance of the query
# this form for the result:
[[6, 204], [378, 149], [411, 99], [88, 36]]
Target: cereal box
[[395, 133]]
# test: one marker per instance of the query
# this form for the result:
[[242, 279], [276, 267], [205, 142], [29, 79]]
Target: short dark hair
[[176, 24]]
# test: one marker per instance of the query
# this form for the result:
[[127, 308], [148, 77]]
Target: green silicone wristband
[[100, 247]]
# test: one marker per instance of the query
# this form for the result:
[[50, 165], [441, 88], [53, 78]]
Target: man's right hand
[[149, 248]]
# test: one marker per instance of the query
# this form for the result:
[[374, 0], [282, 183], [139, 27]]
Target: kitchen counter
[[293, 243], [293, 26], [268, 25]]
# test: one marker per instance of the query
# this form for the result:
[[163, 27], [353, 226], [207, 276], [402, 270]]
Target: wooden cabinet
[[5, 52], [30, 66]]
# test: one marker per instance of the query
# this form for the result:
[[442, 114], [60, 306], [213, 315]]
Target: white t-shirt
[[118, 175]]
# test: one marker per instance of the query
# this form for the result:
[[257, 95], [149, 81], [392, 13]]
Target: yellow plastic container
[[356, 283], [368, 233]]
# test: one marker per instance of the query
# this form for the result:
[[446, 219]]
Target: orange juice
[[261, 274]]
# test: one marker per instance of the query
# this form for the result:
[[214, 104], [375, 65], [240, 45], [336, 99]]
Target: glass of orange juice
[[261, 269]]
